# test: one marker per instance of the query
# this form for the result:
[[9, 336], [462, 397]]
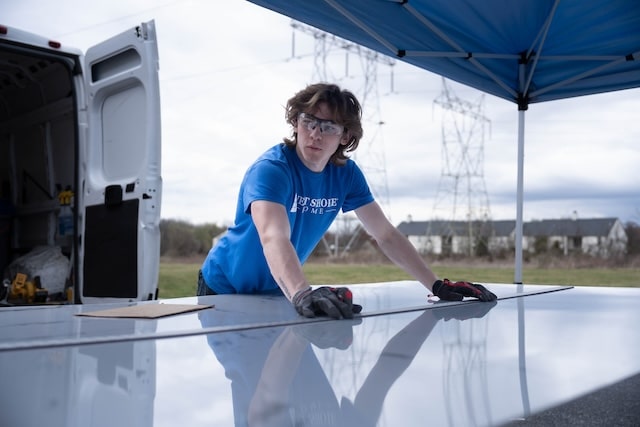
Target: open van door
[[119, 181]]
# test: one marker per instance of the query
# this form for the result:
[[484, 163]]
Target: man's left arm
[[399, 249], [394, 244]]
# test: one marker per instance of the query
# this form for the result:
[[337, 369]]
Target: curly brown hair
[[345, 108]]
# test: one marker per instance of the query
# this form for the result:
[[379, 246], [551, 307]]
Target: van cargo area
[[38, 159], [80, 184]]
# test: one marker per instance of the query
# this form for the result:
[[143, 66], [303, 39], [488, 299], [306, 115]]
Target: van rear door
[[120, 186]]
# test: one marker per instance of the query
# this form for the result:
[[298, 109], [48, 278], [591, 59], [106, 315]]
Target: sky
[[227, 69]]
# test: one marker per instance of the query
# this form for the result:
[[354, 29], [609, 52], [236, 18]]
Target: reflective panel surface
[[252, 361]]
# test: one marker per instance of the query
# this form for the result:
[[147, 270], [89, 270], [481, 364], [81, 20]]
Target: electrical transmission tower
[[462, 195], [370, 153]]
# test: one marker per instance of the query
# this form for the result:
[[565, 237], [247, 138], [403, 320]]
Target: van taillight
[[54, 44], [3, 29]]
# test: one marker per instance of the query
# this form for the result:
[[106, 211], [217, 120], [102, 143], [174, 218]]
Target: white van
[[80, 163]]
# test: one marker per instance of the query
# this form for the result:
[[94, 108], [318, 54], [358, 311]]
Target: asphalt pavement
[[615, 406]]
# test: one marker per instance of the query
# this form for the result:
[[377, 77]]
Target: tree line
[[183, 239]]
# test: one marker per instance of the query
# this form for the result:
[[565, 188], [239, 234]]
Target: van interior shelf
[[38, 207]]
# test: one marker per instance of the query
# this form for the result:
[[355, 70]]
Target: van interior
[[38, 167]]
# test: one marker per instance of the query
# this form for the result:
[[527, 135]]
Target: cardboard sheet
[[146, 311]]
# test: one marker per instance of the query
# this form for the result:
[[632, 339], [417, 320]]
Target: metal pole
[[519, 225]]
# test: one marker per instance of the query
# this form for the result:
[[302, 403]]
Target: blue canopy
[[524, 51]]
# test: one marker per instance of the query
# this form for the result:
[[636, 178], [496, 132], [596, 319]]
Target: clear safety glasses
[[327, 127]]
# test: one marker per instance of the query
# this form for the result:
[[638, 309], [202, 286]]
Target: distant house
[[416, 232], [595, 236], [458, 237], [598, 236], [502, 237]]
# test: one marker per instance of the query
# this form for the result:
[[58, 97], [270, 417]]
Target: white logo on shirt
[[316, 206]]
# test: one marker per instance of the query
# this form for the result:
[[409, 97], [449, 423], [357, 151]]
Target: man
[[288, 199]]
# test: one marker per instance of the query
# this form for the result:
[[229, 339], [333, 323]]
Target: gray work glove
[[328, 301]]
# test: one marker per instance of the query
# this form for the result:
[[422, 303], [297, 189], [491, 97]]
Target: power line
[[118, 19]]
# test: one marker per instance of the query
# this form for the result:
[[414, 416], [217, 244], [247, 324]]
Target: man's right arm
[[272, 224], [273, 227]]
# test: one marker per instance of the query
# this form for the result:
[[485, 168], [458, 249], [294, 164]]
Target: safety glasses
[[327, 127]]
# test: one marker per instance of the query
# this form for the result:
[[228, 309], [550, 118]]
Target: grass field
[[178, 279]]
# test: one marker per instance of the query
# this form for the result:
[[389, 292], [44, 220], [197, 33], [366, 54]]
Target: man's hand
[[456, 291], [339, 336], [462, 311], [333, 302]]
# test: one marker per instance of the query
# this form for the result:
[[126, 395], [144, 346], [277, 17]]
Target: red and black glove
[[326, 300], [339, 336], [456, 291], [462, 311]]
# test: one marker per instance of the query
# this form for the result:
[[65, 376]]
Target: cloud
[[227, 69]]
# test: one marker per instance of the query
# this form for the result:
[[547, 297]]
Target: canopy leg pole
[[519, 224], [522, 361]]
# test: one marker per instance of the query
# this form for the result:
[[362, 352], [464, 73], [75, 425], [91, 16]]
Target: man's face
[[318, 138]]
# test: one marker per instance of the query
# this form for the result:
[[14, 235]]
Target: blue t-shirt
[[236, 264]]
